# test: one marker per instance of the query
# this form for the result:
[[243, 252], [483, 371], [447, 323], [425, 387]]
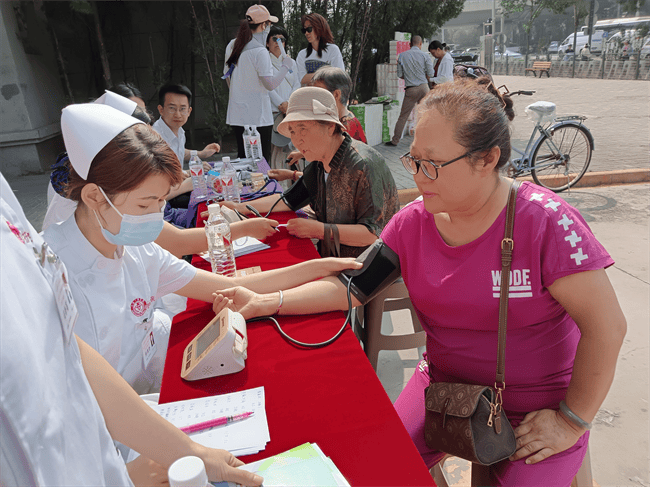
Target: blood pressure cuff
[[300, 193], [380, 269]]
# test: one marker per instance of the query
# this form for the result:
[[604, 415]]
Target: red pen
[[193, 428]]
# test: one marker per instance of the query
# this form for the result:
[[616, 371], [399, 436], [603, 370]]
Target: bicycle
[[560, 155]]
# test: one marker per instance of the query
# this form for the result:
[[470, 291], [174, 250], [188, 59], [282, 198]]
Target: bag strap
[[507, 245], [331, 231]]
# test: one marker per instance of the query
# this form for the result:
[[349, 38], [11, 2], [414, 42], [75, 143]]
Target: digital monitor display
[[209, 336]]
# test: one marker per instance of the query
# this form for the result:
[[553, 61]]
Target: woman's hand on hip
[[544, 433]]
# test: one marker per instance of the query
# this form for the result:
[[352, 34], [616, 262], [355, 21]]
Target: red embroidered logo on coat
[[139, 306], [24, 237]]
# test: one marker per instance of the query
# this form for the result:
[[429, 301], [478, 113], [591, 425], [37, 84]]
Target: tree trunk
[[102, 49]]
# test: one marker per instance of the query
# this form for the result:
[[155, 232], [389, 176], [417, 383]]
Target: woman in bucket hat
[[351, 189]]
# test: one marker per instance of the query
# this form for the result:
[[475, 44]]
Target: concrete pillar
[[31, 96]]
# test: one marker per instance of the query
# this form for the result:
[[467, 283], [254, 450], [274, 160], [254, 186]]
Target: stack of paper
[[304, 465], [243, 246], [243, 437]]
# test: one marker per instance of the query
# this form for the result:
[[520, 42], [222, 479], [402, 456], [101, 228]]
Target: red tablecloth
[[329, 396]]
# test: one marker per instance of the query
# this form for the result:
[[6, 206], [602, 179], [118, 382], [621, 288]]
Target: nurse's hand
[[246, 302], [544, 433], [258, 228], [220, 466], [145, 472]]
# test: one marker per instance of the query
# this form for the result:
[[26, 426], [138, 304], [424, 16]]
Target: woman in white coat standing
[[251, 78], [280, 96], [321, 50]]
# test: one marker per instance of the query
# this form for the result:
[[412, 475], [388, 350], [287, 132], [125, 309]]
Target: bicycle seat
[[541, 111]]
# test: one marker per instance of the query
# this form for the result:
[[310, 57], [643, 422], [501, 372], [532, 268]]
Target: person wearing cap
[[280, 95], [351, 189], [61, 404], [251, 78], [585, 53], [320, 51], [118, 276]]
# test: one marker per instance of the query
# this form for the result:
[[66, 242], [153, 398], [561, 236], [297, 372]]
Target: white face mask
[[135, 229], [262, 36]]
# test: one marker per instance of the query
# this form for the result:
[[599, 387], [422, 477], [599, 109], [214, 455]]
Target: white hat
[[310, 103], [258, 14], [87, 128], [118, 102]]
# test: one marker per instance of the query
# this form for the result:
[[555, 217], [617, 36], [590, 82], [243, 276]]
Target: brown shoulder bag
[[467, 420]]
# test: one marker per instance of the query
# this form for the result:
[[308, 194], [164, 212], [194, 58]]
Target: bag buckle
[[495, 408]]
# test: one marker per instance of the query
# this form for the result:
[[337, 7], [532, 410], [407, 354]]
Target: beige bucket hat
[[310, 103]]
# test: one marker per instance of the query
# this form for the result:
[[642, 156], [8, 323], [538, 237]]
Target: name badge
[[55, 272], [148, 345]]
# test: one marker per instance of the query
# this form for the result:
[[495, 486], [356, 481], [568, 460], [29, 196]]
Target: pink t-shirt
[[455, 291]]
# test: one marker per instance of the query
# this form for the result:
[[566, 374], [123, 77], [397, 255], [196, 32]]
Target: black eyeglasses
[[275, 39], [429, 168], [306, 29]]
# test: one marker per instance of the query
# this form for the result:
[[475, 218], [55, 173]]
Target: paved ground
[[618, 215], [617, 112]]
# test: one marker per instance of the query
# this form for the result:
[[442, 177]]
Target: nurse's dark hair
[[322, 31], [244, 36], [126, 161], [479, 113]]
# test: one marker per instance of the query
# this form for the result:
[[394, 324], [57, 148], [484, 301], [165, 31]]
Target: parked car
[[581, 40], [553, 47], [508, 52]]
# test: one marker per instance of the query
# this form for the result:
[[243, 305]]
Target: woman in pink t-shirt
[[565, 326]]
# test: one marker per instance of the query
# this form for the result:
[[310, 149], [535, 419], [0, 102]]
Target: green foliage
[[383, 18]]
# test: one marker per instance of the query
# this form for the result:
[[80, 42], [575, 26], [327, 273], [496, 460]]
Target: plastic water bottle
[[188, 472], [214, 180], [229, 183], [217, 230], [247, 141], [199, 185], [255, 144]]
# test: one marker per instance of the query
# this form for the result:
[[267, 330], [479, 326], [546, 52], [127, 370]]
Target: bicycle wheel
[[559, 161]]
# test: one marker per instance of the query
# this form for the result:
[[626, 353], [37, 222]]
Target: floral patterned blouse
[[360, 189]]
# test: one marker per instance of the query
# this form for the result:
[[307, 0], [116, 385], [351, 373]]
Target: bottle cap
[[193, 153], [225, 159], [187, 472], [214, 209]]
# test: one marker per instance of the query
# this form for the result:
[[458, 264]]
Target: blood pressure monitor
[[219, 349]]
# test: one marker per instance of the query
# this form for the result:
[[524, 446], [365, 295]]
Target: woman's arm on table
[[328, 294], [590, 300], [205, 284], [353, 235], [262, 205], [132, 422], [189, 241]]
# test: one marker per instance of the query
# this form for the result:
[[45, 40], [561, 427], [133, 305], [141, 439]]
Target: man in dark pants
[[415, 67]]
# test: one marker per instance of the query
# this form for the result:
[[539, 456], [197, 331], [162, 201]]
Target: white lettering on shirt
[[552, 204], [579, 256], [566, 222], [573, 239], [520, 285]]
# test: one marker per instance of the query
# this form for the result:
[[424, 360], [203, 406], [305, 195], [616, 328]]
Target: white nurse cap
[[87, 128], [118, 102]]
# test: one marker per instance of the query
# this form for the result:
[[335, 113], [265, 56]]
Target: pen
[[193, 428]]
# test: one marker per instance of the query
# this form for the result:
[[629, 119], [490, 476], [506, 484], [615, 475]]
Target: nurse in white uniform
[[251, 78], [58, 397], [116, 272]]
